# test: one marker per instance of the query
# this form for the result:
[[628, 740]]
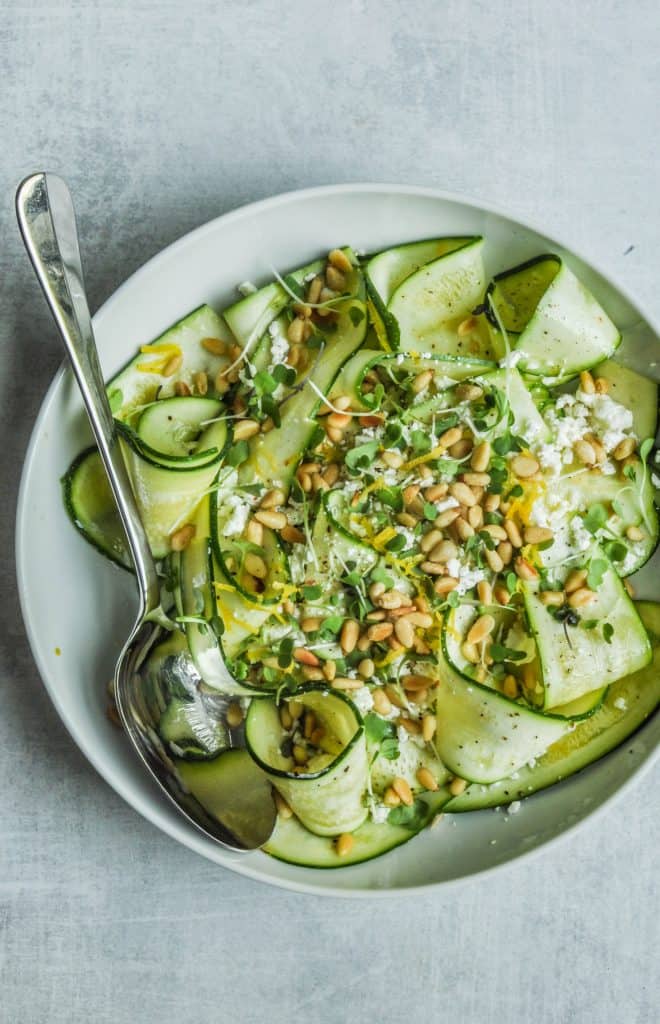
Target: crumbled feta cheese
[[514, 807], [363, 700], [279, 349], [466, 576], [550, 457], [620, 704], [550, 512], [511, 359], [239, 511], [379, 813], [446, 503], [247, 288], [581, 539]]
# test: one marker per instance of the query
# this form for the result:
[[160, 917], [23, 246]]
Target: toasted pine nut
[[552, 598], [476, 479], [460, 449], [345, 683], [587, 384], [286, 721], [575, 579], [447, 517], [181, 389], [344, 844], [426, 779], [513, 533], [310, 625], [415, 681], [494, 561], [450, 437], [475, 517], [505, 551], [299, 754], [405, 632], [485, 592], [443, 551], [538, 535], [269, 517], [305, 657], [421, 619], [464, 529], [173, 364], [585, 452], [411, 492], [510, 687], [457, 786], [292, 535], [331, 474], [392, 459], [394, 696], [314, 290], [340, 260], [464, 494], [580, 598], [335, 279], [272, 498], [602, 385], [403, 791], [318, 483], [295, 330], [624, 448], [405, 519], [329, 669], [215, 346], [282, 806], [245, 429], [363, 644], [350, 631], [334, 435], [221, 383], [501, 594], [429, 725], [366, 668], [524, 569], [410, 724], [391, 599], [380, 631], [470, 652], [635, 533], [433, 493], [429, 541], [432, 568], [444, 584], [339, 420], [234, 715], [495, 531], [390, 798], [491, 502], [422, 381], [482, 628], [468, 392], [382, 704], [201, 382], [256, 566], [524, 466], [480, 457], [182, 537]]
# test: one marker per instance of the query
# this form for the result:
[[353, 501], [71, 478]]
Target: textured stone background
[[162, 115]]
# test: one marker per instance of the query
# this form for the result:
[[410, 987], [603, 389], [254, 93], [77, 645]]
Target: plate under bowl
[[93, 611]]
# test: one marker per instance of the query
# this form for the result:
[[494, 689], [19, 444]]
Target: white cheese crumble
[[246, 288], [466, 576], [379, 813], [363, 700], [279, 349], [446, 503], [514, 807], [510, 360], [239, 511], [596, 414], [620, 704]]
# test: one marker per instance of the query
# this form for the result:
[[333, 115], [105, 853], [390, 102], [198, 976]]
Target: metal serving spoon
[[48, 225]]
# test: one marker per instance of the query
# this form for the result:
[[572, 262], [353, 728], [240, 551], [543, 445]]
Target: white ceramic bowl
[[76, 603]]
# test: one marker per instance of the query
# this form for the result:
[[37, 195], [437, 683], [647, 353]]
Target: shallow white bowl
[[93, 606]]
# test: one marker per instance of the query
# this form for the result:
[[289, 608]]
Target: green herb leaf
[[644, 448], [597, 569], [237, 454], [397, 543], [596, 517], [501, 653], [608, 632], [116, 400], [430, 511], [376, 729], [616, 550], [380, 575], [362, 456], [389, 748], [285, 652], [356, 314], [413, 817]]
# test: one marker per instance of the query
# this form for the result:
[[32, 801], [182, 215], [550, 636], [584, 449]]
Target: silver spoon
[[48, 225]]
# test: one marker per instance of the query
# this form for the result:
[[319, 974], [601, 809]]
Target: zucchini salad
[[395, 506]]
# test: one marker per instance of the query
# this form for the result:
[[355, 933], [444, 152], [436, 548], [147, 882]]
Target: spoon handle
[[47, 221]]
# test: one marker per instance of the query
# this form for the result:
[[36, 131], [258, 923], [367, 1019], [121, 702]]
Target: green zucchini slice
[[90, 505], [627, 705], [327, 795], [560, 327], [637, 393]]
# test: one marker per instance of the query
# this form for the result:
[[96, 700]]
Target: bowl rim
[[182, 831]]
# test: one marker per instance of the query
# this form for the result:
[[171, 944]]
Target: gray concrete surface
[[162, 115]]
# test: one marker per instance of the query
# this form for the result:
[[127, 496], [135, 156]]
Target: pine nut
[[314, 290], [482, 628], [463, 493], [380, 631], [426, 779], [460, 449], [234, 715], [221, 383], [299, 754], [292, 535], [182, 537], [575, 579], [457, 786], [491, 502], [432, 568], [464, 529], [447, 517], [403, 791], [310, 724], [538, 535], [366, 668], [495, 531], [310, 625], [422, 381], [501, 594], [524, 466], [470, 652], [304, 657], [510, 687], [329, 669], [505, 551], [339, 420], [286, 721], [411, 492], [201, 382], [475, 517], [245, 429], [181, 389], [334, 435], [587, 384], [256, 566], [444, 584], [327, 295], [429, 541], [602, 385], [551, 598], [494, 561], [340, 260], [513, 533], [468, 392], [476, 479], [331, 474], [450, 437], [295, 331], [215, 346], [272, 498], [434, 493], [421, 619], [318, 483], [525, 570], [394, 696], [485, 592], [429, 726], [344, 844], [390, 798], [585, 453], [415, 681], [392, 459], [345, 683], [382, 704], [405, 632], [624, 449], [364, 643], [412, 727], [405, 519], [392, 599], [269, 517], [580, 598], [480, 457], [635, 533], [335, 279], [443, 551], [173, 364], [350, 631]]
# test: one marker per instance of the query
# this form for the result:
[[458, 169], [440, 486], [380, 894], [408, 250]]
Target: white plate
[[76, 603]]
